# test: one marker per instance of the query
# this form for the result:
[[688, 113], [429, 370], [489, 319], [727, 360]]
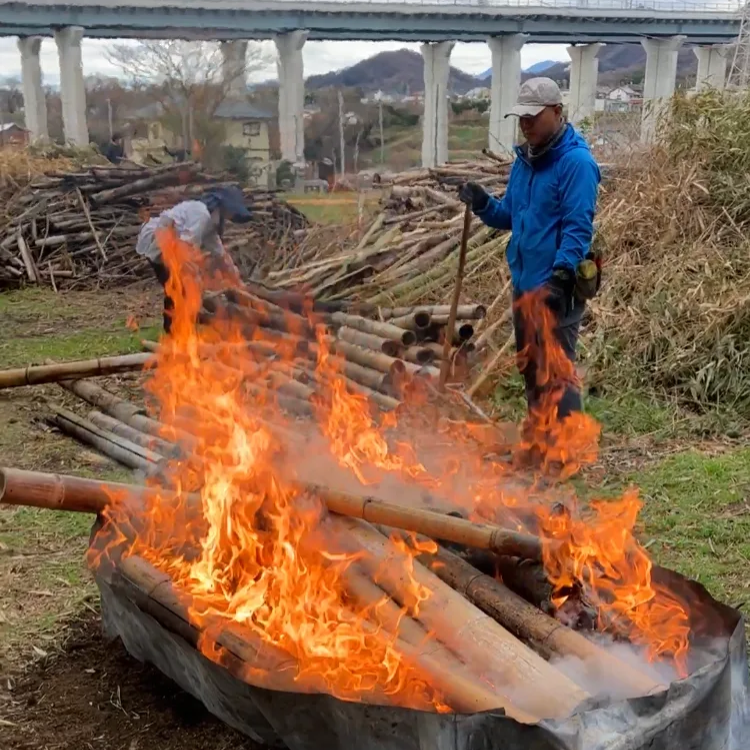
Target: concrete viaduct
[[661, 26]]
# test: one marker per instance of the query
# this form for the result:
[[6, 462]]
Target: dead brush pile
[[674, 313]]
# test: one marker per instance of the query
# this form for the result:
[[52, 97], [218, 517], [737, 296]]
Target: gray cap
[[534, 95]]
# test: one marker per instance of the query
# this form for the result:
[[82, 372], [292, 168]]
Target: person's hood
[[571, 139], [230, 200]]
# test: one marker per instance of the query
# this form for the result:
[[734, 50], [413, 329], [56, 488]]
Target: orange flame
[[260, 559], [249, 549]]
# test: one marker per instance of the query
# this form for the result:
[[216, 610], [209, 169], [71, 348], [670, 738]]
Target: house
[[623, 98], [478, 94], [13, 135], [244, 127]]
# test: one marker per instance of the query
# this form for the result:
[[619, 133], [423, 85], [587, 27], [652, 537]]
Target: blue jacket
[[549, 206]]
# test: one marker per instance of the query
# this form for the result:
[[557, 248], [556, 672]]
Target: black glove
[[560, 292], [473, 195]]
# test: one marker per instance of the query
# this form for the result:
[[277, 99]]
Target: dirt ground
[[92, 694]]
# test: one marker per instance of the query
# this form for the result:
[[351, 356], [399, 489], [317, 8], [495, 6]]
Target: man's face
[[538, 130]]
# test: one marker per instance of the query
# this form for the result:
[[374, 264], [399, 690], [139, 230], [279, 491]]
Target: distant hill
[[624, 62], [398, 72], [541, 67]]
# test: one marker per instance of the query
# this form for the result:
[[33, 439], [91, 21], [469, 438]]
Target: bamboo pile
[[78, 228], [409, 250], [476, 643]]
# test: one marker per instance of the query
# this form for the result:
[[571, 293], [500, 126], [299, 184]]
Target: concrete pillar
[[712, 66], [506, 80], [659, 83], [72, 89], [234, 68], [34, 101], [291, 95], [436, 56], [584, 70]]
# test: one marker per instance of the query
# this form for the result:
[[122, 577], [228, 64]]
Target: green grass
[[76, 345], [696, 518]]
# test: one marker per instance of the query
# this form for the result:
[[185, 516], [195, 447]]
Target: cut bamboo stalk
[[126, 412], [368, 341], [369, 358], [545, 635], [110, 424], [419, 355], [431, 524], [484, 339], [417, 320], [120, 450], [53, 373], [384, 330], [523, 678], [63, 492]]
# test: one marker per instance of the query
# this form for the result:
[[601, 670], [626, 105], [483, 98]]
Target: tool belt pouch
[[588, 279]]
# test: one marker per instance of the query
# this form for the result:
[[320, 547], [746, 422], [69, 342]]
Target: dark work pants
[[162, 275], [566, 335]]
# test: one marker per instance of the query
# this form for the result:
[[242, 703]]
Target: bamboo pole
[[115, 426], [384, 330], [545, 635], [117, 448], [445, 364], [53, 373], [414, 321], [431, 524], [368, 341], [368, 358], [518, 674], [490, 366], [63, 492]]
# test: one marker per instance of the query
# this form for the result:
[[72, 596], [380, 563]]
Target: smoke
[[739, 728], [602, 683]]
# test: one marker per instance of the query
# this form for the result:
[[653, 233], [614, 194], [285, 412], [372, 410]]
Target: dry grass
[[673, 315]]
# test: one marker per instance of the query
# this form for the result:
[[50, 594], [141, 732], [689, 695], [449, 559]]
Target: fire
[[258, 560], [250, 549]]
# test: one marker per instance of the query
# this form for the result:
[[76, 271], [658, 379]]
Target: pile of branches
[[77, 228], [673, 315]]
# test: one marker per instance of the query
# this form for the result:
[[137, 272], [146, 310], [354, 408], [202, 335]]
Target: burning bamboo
[[486, 647], [431, 524], [545, 635]]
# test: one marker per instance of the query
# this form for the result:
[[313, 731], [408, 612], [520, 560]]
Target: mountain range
[[402, 72]]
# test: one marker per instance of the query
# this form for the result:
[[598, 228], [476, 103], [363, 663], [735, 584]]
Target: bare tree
[[190, 76]]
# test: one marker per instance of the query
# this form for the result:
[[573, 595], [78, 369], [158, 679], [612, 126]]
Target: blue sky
[[319, 57]]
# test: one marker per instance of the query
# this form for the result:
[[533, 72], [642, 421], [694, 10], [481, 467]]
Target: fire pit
[[703, 711]]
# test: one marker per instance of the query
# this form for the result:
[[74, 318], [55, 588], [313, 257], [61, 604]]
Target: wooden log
[[384, 330], [368, 341], [431, 524], [141, 186], [545, 635], [53, 373], [531, 687]]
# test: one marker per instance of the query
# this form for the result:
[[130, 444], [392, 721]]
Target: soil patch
[[92, 694]]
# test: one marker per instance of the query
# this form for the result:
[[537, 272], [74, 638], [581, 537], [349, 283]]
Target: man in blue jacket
[[549, 206]]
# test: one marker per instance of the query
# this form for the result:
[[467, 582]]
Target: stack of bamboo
[[79, 227], [409, 251]]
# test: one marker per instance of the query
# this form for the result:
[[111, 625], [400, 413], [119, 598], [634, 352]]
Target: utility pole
[[341, 134], [109, 118], [380, 122]]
